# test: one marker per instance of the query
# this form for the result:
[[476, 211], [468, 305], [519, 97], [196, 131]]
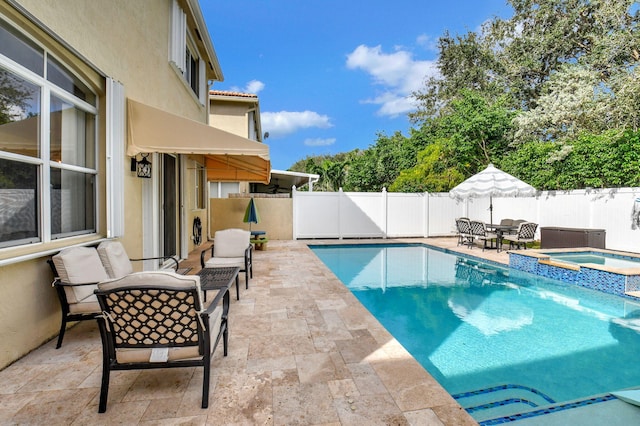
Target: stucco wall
[[230, 116], [276, 216], [128, 41]]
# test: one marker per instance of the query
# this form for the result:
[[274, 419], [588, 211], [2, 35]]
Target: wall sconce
[[143, 166]]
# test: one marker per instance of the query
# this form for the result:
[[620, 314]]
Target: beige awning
[[229, 157]]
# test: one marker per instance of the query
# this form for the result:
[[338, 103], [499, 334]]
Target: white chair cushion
[[154, 279], [79, 265], [115, 259], [88, 305], [230, 242], [221, 262]]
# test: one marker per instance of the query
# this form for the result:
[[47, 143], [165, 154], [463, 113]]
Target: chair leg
[[205, 381], [104, 388], [63, 327]]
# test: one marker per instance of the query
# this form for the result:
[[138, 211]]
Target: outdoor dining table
[[500, 230]]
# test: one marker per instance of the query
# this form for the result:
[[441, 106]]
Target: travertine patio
[[302, 351]]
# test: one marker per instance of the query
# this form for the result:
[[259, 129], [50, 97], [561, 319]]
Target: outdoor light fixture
[[144, 167]]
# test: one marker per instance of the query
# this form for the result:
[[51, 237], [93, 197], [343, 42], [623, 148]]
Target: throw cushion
[[115, 259], [79, 265]]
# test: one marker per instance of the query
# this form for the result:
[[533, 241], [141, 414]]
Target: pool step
[[502, 400]]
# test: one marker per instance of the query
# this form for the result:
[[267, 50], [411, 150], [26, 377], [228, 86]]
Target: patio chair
[[156, 319], [463, 226], [526, 234], [77, 270], [231, 247], [479, 232], [118, 264]]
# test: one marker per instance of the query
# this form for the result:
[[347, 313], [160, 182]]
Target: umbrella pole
[[491, 209]]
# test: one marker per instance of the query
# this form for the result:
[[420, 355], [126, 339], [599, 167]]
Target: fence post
[[385, 212], [427, 216], [294, 213], [340, 194]]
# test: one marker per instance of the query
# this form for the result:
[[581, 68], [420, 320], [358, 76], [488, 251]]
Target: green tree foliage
[[379, 165], [605, 160], [432, 173]]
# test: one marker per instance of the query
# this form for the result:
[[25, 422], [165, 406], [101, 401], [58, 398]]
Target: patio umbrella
[[492, 182], [251, 214]]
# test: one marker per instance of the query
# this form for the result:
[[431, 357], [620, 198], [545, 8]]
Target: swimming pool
[[501, 341]]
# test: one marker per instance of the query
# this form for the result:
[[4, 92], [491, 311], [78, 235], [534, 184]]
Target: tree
[[433, 172]]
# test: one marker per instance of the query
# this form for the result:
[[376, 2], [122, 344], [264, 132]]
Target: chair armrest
[[214, 303], [165, 258], [59, 283]]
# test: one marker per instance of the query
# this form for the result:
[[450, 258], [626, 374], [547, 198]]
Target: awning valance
[[229, 157]]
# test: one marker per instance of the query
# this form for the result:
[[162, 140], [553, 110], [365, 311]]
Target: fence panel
[[406, 215], [362, 215], [354, 215], [316, 215]]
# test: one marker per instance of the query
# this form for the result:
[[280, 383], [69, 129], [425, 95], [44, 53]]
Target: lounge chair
[[231, 247], [479, 232], [156, 319], [525, 234]]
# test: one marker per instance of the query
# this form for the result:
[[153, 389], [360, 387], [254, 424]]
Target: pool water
[[476, 326], [596, 258]]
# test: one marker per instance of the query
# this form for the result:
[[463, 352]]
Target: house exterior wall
[[230, 116], [128, 42], [235, 115]]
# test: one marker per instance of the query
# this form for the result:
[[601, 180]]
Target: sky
[[333, 74]]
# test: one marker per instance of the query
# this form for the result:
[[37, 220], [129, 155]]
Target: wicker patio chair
[[526, 234], [479, 232], [231, 247], [156, 319]]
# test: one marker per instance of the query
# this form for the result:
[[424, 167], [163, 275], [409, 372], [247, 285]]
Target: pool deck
[[302, 351]]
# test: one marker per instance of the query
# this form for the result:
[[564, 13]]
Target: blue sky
[[332, 74]]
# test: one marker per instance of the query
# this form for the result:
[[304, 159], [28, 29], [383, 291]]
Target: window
[[47, 145], [223, 189], [183, 54], [191, 71]]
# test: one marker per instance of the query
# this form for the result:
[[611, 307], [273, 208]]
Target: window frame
[[46, 166]]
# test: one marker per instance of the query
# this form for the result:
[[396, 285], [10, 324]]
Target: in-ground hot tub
[[604, 270]]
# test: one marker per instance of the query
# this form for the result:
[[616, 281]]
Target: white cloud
[[319, 142], [398, 73], [286, 122], [254, 87], [429, 43]]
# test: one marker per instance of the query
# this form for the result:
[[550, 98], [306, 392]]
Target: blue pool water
[[476, 326], [596, 258]]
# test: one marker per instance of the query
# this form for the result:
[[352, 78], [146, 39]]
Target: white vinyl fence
[[391, 215]]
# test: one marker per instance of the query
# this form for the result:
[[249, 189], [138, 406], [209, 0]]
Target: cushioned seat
[[156, 319]]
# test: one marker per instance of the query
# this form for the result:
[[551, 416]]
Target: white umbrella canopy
[[492, 182]]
